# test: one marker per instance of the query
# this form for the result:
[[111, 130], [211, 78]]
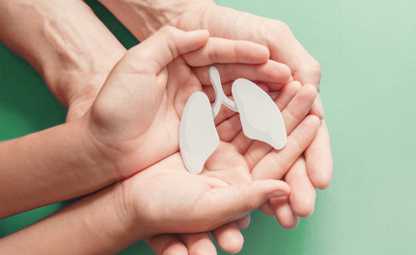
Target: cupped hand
[[305, 175], [136, 115], [153, 120], [284, 48], [165, 198], [316, 170], [233, 165]]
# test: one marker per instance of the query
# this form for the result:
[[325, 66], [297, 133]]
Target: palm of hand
[[151, 96], [181, 202], [154, 135], [159, 138]]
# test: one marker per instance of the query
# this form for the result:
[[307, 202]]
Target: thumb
[[132, 90], [163, 47], [232, 202]]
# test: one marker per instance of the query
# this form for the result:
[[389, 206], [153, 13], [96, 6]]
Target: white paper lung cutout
[[260, 117], [198, 136]]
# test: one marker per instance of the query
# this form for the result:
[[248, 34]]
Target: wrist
[[71, 52], [97, 155], [105, 220], [143, 18]]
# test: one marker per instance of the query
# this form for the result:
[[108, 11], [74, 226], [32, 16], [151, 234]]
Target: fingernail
[[318, 108]]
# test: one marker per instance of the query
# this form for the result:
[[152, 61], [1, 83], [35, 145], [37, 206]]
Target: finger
[[229, 238], [199, 243], [319, 159], [229, 128], [241, 143], [167, 245], [299, 107], [267, 209], [209, 90], [284, 47], [318, 108], [244, 223], [285, 216], [293, 114], [269, 72], [287, 93], [302, 196], [275, 164], [154, 53], [220, 50], [230, 203], [224, 115]]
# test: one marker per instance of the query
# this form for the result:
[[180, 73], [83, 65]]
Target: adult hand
[[135, 118], [131, 130], [295, 105], [304, 176], [228, 23], [226, 165]]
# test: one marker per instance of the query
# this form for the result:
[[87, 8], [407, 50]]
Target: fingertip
[[252, 53], [321, 179], [261, 51], [231, 241], [235, 245], [278, 72], [286, 217], [319, 162], [318, 108], [313, 120], [303, 207], [275, 188], [202, 34], [200, 244], [175, 249], [197, 39]]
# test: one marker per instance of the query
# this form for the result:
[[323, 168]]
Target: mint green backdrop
[[367, 51]]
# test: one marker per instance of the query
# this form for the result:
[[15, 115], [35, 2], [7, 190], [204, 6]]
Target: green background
[[367, 51]]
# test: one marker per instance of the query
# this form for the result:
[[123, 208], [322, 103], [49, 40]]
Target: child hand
[[165, 198], [135, 118]]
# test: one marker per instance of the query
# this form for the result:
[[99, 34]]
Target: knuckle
[[315, 68], [312, 70], [278, 28], [213, 54]]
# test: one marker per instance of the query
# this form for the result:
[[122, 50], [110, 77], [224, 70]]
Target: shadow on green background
[[367, 51]]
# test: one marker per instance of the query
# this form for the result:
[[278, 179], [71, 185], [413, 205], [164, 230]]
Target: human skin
[[70, 52], [82, 55], [142, 18], [148, 203], [154, 129], [75, 62]]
